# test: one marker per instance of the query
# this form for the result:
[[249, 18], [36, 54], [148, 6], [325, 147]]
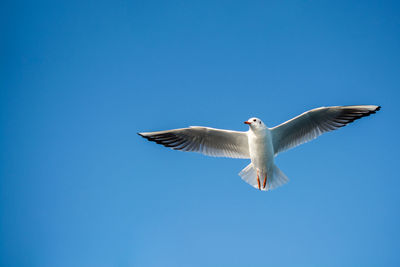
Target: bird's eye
[[254, 120], [260, 122]]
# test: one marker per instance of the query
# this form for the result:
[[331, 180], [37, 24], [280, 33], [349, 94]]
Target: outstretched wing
[[315, 122], [208, 141]]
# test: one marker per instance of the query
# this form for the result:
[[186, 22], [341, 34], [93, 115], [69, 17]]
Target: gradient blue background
[[80, 188]]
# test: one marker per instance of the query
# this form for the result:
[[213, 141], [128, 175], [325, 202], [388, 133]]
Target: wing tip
[[152, 138], [144, 135], [373, 111], [370, 111]]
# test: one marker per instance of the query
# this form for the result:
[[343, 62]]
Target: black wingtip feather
[[167, 140], [372, 111], [362, 115]]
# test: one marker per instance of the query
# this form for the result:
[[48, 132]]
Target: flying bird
[[261, 144]]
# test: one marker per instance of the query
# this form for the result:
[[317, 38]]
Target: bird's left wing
[[315, 122], [208, 141]]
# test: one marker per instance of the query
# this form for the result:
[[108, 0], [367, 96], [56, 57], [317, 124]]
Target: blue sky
[[81, 78]]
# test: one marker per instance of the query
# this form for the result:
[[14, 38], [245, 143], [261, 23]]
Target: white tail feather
[[274, 180], [249, 175]]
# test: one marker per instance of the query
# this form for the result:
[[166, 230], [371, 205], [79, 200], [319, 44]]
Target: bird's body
[[261, 173], [261, 152], [260, 148], [261, 144]]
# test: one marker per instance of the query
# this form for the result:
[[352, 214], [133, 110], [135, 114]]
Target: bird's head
[[255, 123]]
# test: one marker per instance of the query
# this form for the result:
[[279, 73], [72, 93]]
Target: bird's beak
[[247, 122]]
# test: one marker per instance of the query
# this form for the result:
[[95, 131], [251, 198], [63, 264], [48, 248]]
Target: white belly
[[261, 151]]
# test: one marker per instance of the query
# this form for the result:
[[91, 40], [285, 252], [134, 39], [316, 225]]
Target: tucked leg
[[258, 180], [265, 181]]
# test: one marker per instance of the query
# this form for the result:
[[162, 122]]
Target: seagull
[[261, 144]]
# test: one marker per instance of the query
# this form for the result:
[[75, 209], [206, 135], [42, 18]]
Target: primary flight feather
[[260, 143]]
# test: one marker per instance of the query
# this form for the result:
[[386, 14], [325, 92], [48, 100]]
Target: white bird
[[260, 143]]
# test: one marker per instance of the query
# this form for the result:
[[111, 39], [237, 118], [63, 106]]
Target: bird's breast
[[261, 150]]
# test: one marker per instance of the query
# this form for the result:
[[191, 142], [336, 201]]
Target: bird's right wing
[[208, 141], [315, 122]]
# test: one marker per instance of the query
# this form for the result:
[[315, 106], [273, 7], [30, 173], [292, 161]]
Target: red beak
[[246, 122]]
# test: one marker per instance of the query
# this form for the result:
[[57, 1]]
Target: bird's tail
[[274, 180]]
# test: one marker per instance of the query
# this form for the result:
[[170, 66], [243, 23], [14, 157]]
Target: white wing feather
[[315, 122], [205, 140]]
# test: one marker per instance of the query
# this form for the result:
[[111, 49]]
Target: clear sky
[[79, 79]]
